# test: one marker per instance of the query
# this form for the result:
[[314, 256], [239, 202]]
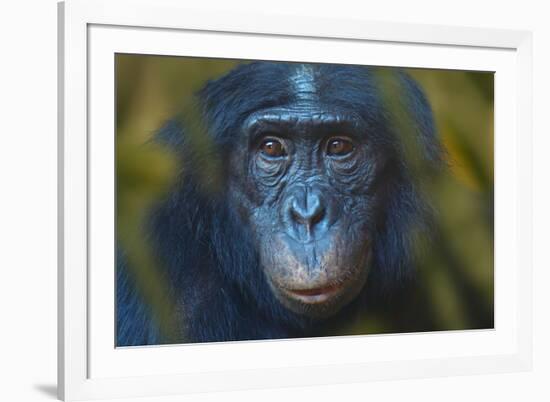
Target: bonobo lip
[[315, 295]]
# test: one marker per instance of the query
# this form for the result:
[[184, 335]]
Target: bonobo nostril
[[308, 209]]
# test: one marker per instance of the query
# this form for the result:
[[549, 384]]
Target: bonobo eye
[[273, 148], [339, 147]]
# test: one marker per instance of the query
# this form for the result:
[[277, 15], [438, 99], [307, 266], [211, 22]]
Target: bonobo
[[316, 209]]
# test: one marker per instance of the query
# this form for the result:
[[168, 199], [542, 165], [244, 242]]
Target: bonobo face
[[308, 190]]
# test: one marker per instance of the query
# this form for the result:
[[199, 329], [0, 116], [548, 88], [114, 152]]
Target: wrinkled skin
[[310, 208], [311, 202]]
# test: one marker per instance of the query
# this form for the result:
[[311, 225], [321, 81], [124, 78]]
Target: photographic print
[[274, 200]]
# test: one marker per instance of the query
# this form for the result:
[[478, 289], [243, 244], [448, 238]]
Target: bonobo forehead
[[314, 92], [304, 85], [332, 87], [314, 102]]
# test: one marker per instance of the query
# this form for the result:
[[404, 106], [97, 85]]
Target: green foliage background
[[456, 276]]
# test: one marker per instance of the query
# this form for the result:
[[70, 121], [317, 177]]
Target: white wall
[[28, 198]]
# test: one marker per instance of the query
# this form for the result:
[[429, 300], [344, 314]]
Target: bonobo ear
[[419, 113], [408, 118], [171, 135], [200, 159]]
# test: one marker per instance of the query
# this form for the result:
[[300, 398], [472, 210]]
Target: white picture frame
[[91, 32]]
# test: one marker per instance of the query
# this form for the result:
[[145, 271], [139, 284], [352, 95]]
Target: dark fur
[[207, 254]]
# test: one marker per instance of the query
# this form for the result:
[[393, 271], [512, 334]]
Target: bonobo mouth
[[322, 298], [314, 295], [318, 279]]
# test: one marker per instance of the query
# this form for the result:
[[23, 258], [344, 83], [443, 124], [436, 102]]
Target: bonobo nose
[[306, 209]]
